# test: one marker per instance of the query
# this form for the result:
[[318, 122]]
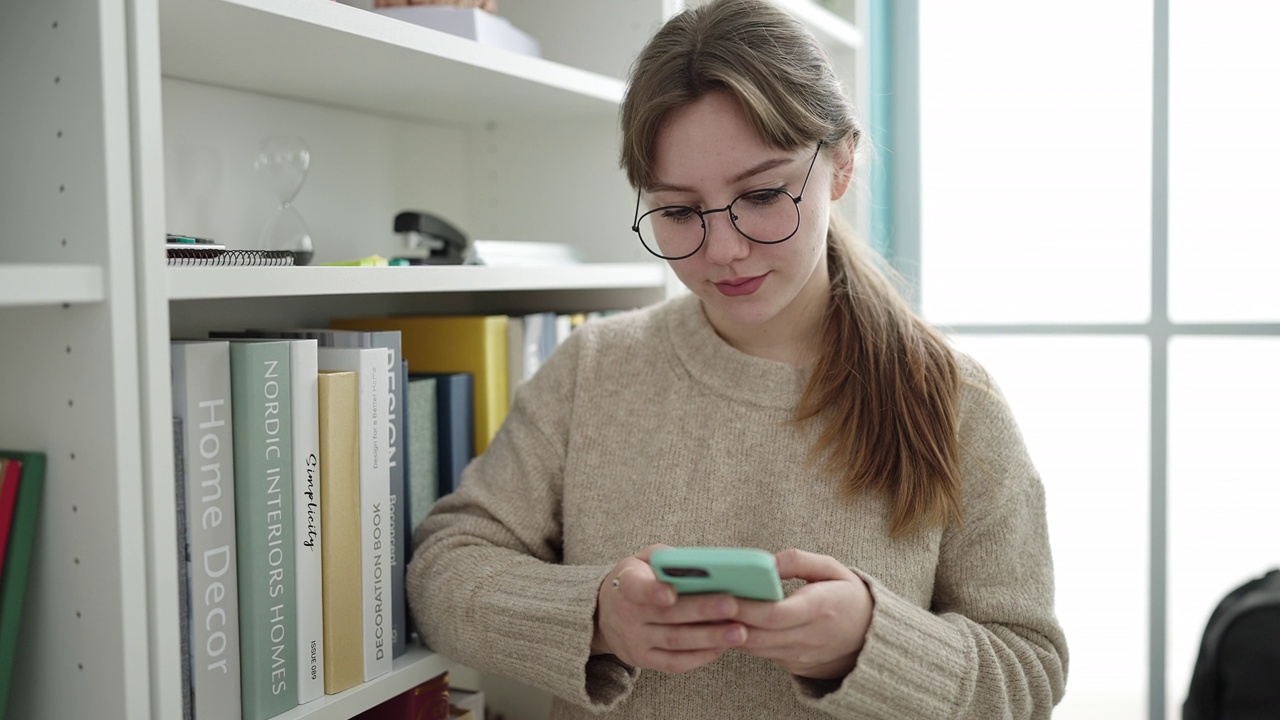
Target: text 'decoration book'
[[262, 435], [24, 519], [201, 378], [455, 344], [340, 525], [370, 366]]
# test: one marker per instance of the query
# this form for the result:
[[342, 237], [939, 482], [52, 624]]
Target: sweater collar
[[724, 369]]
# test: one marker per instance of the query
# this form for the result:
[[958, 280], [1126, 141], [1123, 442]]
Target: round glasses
[[768, 217]]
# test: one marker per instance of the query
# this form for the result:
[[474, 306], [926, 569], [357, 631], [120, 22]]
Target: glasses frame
[[733, 219]]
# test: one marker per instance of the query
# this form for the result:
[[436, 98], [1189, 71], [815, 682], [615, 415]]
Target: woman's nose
[[724, 243]]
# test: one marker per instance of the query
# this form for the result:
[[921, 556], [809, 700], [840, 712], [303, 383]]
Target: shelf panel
[[416, 666], [37, 284], [200, 283], [334, 54]]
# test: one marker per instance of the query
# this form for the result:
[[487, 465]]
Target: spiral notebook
[[198, 256]]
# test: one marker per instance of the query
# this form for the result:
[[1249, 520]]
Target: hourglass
[[282, 164]]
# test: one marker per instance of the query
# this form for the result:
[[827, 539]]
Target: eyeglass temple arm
[[806, 175], [635, 222]]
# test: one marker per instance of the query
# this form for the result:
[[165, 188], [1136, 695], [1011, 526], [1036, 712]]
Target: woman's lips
[[740, 286]]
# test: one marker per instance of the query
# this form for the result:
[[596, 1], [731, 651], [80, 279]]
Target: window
[[1140, 357]]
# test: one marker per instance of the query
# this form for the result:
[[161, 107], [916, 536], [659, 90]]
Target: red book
[[428, 701], [10, 471]]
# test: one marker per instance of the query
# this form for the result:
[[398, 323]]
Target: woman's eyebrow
[[749, 172]]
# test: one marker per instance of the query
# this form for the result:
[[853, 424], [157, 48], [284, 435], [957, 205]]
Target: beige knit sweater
[[649, 428]]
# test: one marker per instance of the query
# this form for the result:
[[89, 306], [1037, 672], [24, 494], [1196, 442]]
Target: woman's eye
[[678, 214], [762, 198]]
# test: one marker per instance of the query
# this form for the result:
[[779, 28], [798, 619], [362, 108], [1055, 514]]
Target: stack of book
[[304, 458], [21, 484]]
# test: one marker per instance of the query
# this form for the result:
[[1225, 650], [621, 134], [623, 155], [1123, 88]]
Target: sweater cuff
[[551, 628], [911, 665]]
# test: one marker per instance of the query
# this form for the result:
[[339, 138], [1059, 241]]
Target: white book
[[304, 376], [370, 365], [201, 374]]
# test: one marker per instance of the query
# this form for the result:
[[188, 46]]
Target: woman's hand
[[641, 620], [817, 631]]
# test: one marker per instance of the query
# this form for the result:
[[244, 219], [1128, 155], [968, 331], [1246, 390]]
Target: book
[[17, 563], [389, 339], [200, 375], [184, 567], [515, 356], [306, 504], [424, 470], [304, 407], [341, 575], [454, 344], [455, 442], [370, 364], [10, 471], [426, 701], [261, 414]]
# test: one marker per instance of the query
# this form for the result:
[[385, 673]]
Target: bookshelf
[[23, 284], [125, 119]]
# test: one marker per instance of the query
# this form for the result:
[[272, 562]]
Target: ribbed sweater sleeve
[[991, 646], [486, 577]]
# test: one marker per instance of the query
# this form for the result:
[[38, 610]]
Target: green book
[[17, 561], [261, 435], [420, 413]]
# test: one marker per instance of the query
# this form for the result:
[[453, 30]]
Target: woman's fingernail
[[735, 635]]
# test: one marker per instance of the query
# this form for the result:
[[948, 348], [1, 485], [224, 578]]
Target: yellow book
[[475, 344], [340, 530]]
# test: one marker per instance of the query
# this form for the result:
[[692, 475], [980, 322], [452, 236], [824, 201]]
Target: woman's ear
[[841, 167]]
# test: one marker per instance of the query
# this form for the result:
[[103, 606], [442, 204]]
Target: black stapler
[[429, 240]]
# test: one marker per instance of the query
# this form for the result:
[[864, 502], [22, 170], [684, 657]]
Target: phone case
[[743, 572]]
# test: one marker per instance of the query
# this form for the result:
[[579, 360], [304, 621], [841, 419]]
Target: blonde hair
[[885, 384]]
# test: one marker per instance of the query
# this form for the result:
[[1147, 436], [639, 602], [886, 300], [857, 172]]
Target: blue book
[[455, 426]]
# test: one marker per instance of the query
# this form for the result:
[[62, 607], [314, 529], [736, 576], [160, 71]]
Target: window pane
[[1036, 160], [1223, 153], [1224, 485], [1082, 404]]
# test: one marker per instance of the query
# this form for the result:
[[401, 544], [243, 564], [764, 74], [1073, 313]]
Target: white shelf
[[325, 52], [36, 284], [199, 283], [829, 27], [416, 666]]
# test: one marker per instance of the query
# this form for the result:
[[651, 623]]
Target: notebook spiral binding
[[211, 257]]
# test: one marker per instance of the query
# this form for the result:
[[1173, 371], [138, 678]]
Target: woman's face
[[708, 154]]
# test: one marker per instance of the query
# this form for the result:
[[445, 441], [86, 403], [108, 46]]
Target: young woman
[[791, 402]]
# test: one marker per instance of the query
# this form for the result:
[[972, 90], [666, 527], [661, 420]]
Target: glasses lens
[[671, 232], [766, 216]]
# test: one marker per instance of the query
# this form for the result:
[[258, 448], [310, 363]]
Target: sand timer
[[282, 164]]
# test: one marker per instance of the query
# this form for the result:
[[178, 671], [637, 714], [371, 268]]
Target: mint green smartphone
[[742, 572]]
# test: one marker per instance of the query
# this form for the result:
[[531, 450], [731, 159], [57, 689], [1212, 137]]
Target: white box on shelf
[[471, 23]]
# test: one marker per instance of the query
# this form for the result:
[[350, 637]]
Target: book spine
[[203, 402], [262, 436], [423, 486], [304, 377], [397, 500], [375, 499], [340, 526], [184, 565]]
